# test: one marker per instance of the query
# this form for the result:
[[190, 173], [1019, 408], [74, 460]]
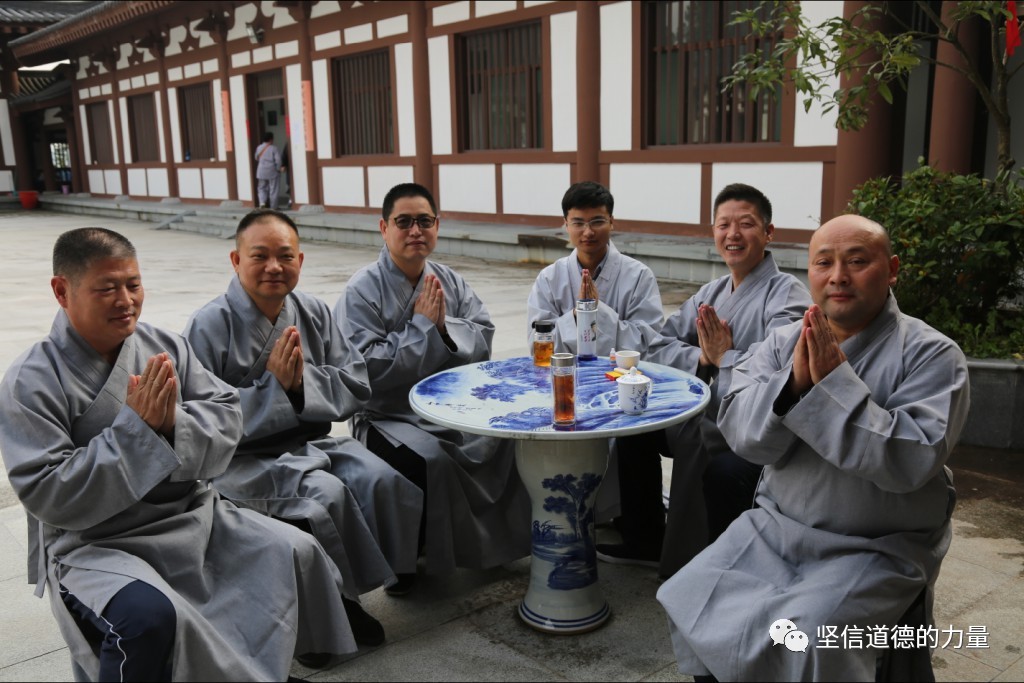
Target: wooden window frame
[[198, 128], [513, 81], [97, 116], [694, 65], [145, 143], [364, 117]]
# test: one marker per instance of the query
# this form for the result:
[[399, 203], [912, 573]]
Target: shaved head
[[850, 269], [853, 223]]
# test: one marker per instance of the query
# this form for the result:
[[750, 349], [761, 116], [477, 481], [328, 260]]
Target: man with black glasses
[[410, 317]]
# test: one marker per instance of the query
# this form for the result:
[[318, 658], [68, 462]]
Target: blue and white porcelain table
[[561, 468]]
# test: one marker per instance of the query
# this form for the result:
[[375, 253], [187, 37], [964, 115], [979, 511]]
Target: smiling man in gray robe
[[410, 318], [709, 333], [109, 429], [853, 411], [296, 374]]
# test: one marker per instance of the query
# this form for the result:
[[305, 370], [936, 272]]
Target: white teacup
[[634, 392], [627, 359]]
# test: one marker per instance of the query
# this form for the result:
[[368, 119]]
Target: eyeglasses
[[595, 223], [405, 222]]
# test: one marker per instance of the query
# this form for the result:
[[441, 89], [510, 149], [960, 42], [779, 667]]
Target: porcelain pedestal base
[[562, 478]]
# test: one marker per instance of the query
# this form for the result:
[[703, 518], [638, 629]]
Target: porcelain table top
[[512, 399]]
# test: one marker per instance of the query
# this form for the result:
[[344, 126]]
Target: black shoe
[[365, 629], [621, 553], [315, 660], [405, 584]]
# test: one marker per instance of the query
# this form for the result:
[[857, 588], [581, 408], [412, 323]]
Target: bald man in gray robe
[[109, 430], [853, 411]]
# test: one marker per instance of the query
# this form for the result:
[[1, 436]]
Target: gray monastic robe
[[766, 299], [854, 504], [629, 311], [364, 513], [116, 502], [478, 511]]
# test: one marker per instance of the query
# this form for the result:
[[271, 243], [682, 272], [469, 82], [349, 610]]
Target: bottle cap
[[563, 360], [543, 326], [586, 305]]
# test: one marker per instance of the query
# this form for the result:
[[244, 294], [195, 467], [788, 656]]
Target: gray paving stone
[[27, 629], [52, 666]]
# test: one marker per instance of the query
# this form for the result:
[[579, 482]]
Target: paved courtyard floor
[[464, 627]]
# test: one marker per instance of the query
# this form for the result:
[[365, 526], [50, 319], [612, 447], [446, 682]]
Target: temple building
[[497, 105]]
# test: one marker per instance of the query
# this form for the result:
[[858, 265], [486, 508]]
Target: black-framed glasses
[[404, 222], [595, 223]]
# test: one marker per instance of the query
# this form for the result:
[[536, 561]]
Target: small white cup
[[627, 359], [634, 392]]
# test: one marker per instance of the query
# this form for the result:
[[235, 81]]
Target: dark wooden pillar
[[953, 102], [423, 170], [221, 36], [866, 153], [588, 90], [313, 177]]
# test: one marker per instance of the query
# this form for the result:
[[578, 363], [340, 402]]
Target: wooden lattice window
[[195, 105], [500, 88], [101, 141], [689, 47], [145, 142], [363, 113]]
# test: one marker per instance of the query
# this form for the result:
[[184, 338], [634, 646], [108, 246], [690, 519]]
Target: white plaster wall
[[137, 182], [358, 34], [241, 59], [106, 89], [114, 142], [96, 185], [440, 94], [344, 186], [450, 13], [616, 76], [215, 183], [380, 179], [393, 26], [190, 183], [242, 153], [243, 15], [156, 179], [297, 157], [468, 187], [6, 136], [322, 109], [668, 193], [112, 179], [287, 49], [324, 7], [279, 15], [534, 189], [815, 126], [174, 37], [263, 54], [484, 8], [51, 117], [172, 106], [160, 126], [122, 104], [793, 188], [152, 78], [6, 181], [563, 82], [326, 41], [83, 122], [406, 107]]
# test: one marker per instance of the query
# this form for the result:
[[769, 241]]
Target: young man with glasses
[[410, 317], [629, 313]]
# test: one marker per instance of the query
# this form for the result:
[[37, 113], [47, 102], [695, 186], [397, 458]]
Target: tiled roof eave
[[86, 24]]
